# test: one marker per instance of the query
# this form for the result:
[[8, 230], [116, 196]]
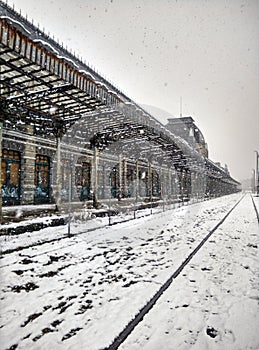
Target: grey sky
[[157, 50]]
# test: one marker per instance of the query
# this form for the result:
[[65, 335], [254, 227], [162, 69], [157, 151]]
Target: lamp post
[[256, 174], [253, 181]]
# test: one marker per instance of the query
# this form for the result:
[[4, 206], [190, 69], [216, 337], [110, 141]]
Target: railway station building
[[67, 134]]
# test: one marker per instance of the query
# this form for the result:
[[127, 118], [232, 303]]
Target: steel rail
[[120, 339]]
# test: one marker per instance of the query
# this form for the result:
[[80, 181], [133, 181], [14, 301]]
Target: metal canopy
[[44, 85]]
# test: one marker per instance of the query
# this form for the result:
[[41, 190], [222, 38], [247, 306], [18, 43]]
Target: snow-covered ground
[[81, 292], [214, 302]]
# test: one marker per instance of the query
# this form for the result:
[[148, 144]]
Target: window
[[83, 180], [114, 178], [11, 165], [42, 179], [86, 174], [155, 183]]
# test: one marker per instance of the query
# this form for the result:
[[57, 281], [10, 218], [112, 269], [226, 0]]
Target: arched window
[[155, 184], [83, 180], [42, 179], [11, 169], [86, 180], [114, 179]]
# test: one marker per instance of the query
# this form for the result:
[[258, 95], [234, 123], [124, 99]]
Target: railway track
[[65, 236], [120, 339], [58, 239], [70, 244]]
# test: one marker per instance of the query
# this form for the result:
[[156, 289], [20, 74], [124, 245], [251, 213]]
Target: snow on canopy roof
[[46, 44], [15, 21]]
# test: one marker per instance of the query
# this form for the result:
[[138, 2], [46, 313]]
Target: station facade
[[29, 173], [69, 135]]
